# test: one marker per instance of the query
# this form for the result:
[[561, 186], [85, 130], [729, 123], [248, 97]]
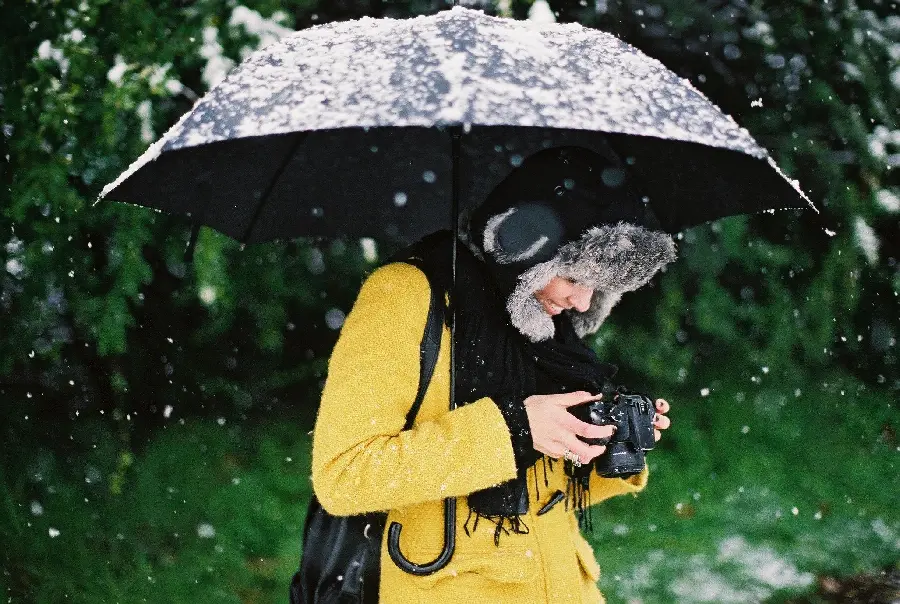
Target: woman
[[549, 253]]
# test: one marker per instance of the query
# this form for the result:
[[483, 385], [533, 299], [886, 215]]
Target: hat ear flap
[[527, 233], [602, 302]]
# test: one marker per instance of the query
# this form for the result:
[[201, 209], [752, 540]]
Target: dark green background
[[154, 415]]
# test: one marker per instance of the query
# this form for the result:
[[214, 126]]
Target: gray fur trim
[[611, 260], [491, 228]]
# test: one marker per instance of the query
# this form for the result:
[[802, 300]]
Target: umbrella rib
[[300, 137], [196, 224]]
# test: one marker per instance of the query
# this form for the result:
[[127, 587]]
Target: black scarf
[[494, 360]]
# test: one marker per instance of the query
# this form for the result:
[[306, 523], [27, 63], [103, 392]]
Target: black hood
[[573, 213]]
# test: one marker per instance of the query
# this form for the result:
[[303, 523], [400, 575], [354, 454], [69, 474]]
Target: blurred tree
[[96, 304], [102, 324], [98, 308], [818, 84]]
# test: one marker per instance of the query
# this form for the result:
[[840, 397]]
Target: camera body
[[632, 414]]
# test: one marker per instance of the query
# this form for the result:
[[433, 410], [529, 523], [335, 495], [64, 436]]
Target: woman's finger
[[570, 399], [662, 422], [662, 406], [545, 451], [580, 428], [584, 451], [657, 435]]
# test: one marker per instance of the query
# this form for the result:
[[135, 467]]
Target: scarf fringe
[[578, 495], [537, 487], [516, 525]]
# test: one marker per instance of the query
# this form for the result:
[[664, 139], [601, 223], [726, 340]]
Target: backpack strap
[[428, 349]]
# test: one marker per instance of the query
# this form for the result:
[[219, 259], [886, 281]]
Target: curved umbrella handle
[[441, 561], [393, 544]]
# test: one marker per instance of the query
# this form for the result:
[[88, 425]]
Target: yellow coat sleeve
[[362, 459], [603, 488]]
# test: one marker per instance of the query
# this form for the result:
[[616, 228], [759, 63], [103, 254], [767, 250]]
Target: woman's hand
[[660, 421], [554, 429]]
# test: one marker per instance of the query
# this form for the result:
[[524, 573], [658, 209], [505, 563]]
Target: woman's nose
[[581, 298]]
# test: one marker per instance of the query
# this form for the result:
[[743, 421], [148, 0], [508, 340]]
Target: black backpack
[[341, 559]]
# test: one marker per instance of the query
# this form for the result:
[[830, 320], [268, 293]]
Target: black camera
[[632, 414]]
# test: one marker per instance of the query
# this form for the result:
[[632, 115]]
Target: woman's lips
[[550, 308]]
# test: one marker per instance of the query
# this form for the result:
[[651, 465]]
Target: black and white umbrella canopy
[[344, 129]]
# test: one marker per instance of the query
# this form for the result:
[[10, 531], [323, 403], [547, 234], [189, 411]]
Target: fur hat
[[567, 212]]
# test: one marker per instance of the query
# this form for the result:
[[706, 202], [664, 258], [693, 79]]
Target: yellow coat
[[364, 461]]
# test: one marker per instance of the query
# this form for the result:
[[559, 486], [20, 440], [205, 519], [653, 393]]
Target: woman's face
[[562, 294]]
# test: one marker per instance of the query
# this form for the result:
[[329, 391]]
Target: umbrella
[[331, 131], [395, 128]]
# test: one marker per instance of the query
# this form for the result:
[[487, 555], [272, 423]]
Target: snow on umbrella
[[331, 130]]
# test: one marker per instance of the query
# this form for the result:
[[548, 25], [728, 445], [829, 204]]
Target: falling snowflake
[[334, 318]]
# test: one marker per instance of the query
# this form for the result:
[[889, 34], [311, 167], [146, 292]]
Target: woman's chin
[[551, 310]]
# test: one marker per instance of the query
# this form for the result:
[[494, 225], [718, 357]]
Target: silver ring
[[568, 455]]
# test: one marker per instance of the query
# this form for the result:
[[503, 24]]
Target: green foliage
[[750, 495], [816, 84], [207, 512], [86, 86], [754, 495], [126, 360]]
